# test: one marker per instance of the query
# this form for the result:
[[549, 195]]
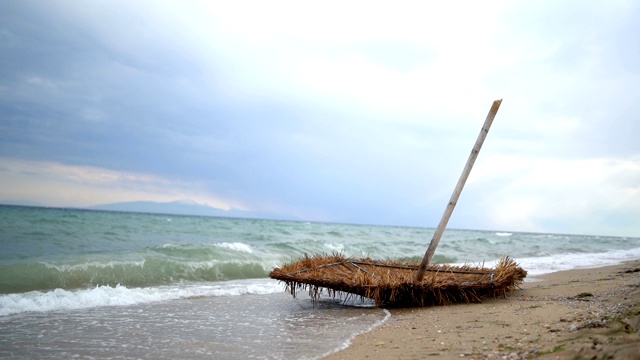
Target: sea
[[117, 285]]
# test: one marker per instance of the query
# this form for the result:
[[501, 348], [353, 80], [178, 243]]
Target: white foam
[[503, 234], [242, 287], [536, 266], [89, 265], [99, 296], [347, 343], [335, 247], [237, 246], [549, 264]]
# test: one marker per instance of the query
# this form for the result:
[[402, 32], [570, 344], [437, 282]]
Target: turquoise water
[[87, 267]]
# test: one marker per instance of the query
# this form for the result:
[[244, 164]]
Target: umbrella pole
[[456, 193]]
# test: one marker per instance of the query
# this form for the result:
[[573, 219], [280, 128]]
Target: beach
[[77, 283], [583, 313]]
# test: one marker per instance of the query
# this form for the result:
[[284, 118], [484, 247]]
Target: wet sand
[[586, 313]]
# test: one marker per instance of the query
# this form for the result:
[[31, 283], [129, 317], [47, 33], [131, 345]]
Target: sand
[[577, 314]]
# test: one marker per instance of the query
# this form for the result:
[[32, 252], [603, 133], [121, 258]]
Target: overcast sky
[[342, 111]]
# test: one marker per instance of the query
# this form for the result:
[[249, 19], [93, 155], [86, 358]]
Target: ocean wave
[[560, 262], [334, 247], [347, 343], [224, 250], [119, 295], [151, 271], [236, 246]]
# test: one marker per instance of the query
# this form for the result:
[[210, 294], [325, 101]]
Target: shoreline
[[580, 313]]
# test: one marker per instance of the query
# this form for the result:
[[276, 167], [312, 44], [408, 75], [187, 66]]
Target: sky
[[339, 111]]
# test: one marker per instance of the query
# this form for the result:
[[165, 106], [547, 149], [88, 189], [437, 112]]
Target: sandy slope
[[588, 313]]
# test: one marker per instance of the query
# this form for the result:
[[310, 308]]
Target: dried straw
[[392, 284]]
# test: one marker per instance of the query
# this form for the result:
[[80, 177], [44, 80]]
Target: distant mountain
[[184, 207]]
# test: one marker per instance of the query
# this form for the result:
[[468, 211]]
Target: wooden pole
[[428, 255]]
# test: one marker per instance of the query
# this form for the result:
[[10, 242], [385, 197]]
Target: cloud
[[68, 185], [353, 112], [570, 196], [343, 56]]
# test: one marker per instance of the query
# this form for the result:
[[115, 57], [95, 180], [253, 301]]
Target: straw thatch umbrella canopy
[[391, 283], [406, 284]]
